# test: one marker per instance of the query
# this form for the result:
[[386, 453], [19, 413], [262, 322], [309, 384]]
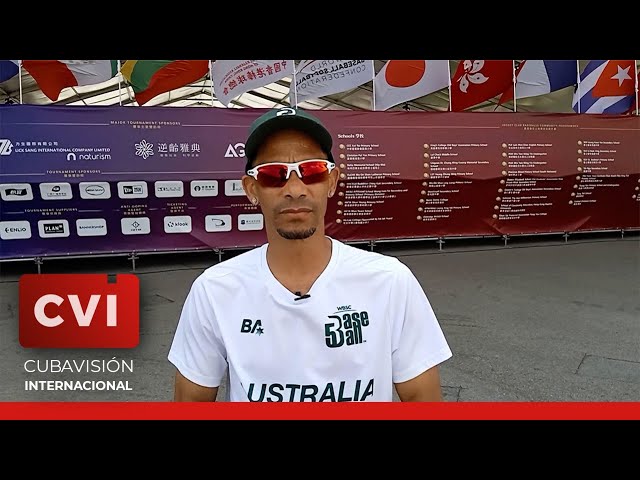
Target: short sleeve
[[197, 350], [418, 342]]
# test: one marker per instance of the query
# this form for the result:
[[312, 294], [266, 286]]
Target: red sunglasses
[[276, 174]]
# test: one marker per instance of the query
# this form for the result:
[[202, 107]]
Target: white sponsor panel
[[16, 192], [250, 221], [15, 230], [217, 223], [94, 190], [233, 188], [53, 228], [177, 224], [135, 225], [169, 188], [204, 188], [91, 227], [133, 189], [56, 191]]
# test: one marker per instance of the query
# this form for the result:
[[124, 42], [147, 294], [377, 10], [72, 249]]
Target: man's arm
[[187, 391], [423, 388]]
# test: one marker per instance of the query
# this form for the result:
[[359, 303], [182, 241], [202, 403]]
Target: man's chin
[[296, 234]]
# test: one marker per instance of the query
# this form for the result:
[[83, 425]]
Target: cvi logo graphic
[[79, 311]]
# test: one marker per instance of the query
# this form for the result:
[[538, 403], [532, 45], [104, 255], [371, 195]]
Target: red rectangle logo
[[79, 311]]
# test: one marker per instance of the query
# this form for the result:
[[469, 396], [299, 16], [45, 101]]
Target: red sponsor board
[[417, 174]]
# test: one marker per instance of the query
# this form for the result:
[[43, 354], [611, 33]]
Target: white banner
[[317, 78], [232, 78]]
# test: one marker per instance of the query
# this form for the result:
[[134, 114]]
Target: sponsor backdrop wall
[[116, 180]]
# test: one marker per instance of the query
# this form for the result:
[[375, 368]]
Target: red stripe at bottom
[[320, 411]]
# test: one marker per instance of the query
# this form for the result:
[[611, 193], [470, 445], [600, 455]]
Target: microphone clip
[[299, 296]]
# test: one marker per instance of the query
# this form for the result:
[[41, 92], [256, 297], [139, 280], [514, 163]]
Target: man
[[304, 317]]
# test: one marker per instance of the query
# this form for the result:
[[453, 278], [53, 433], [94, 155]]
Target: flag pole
[[578, 72], [295, 89], [211, 77], [636, 81], [373, 85], [20, 78], [119, 83], [513, 66], [449, 79]]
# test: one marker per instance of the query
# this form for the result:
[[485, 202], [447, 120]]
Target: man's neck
[[298, 263]]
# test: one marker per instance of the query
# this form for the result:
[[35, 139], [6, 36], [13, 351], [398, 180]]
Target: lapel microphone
[[299, 296]]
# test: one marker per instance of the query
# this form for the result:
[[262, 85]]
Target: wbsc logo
[[79, 311]]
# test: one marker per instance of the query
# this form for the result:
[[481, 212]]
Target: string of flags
[[603, 86]]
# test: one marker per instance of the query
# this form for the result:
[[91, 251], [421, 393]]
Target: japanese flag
[[403, 80]]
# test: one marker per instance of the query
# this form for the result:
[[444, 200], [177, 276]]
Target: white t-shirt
[[366, 325]]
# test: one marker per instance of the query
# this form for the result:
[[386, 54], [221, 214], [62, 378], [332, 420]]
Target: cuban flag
[[539, 77], [8, 69], [606, 86]]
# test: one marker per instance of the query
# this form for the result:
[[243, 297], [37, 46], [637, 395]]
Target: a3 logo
[[235, 150]]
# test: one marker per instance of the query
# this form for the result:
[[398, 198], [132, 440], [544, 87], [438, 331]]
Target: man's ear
[[249, 186], [334, 176]]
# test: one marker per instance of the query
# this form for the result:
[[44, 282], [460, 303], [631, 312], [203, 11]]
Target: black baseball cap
[[279, 119]]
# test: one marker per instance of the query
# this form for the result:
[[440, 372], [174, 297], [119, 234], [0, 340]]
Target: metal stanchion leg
[[440, 242], [566, 237], [506, 239], [372, 244], [38, 261], [622, 232], [219, 255], [133, 258]]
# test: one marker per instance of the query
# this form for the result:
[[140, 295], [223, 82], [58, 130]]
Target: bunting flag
[[402, 80], [8, 69], [232, 78], [476, 81], [539, 77], [606, 86], [150, 78], [52, 76], [318, 78]]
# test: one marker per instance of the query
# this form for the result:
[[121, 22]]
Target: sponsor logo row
[[131, 189], [97, 227]]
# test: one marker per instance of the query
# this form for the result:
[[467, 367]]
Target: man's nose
[[295, 187]]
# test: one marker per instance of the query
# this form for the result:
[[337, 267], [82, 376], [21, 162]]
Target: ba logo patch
[[249, 326]]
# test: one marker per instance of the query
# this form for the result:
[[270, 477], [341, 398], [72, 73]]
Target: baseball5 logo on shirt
[[345, 327]]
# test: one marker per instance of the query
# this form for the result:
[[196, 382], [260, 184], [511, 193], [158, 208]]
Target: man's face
[[294, 211]]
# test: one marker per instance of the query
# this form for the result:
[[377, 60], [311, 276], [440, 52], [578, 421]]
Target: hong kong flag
[[476, 81]]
